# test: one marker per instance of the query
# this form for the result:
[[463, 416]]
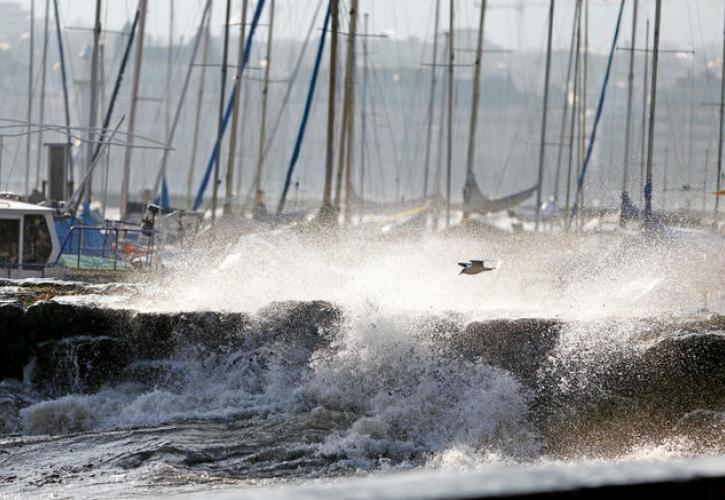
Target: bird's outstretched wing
[[464, 264]]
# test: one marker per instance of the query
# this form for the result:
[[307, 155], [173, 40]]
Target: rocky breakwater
[[593, 387], [603, 386]]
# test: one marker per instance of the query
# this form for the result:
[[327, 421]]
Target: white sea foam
[[577, 276]]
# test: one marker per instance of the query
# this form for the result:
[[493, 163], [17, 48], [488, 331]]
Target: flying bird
[[476, 266]]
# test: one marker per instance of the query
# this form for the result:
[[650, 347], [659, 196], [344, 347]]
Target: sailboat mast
[[476, 96], [439, 143], [567, 91], [93, 110], [102, 92], [574, 114], [363, 117], [327, 212], [220, 128], [169, 62], [265, 100], [630, 91], [143, 7], [346, 106], [31, 59], [351, 108], [718, 182], [229, 193], [643, 139], [542, 145], [199, 105], [652, 110], [431, 101], [583, 110], [449, 150], [43, 72]]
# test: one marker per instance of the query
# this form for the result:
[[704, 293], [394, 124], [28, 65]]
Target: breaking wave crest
[[388, 388]]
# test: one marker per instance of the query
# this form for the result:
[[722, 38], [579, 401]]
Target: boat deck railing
[[112, 247]]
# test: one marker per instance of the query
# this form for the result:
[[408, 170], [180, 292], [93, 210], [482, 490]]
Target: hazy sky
[[510, 23]]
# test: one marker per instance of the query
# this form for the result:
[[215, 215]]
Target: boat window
[[9, 241], [37, 245]]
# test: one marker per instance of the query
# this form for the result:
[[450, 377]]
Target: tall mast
[[229, 193], [28, 137], [567, 91], [583, 109], [66, 105], [542, 145], [327, 210], [242, 133], [220, 128], [259, 198], [347, 101], [199, 105], [431, 101], [449, 150], [476, 97], [652, 109], [574, 114], [102, 92], [43, 71], [630, 91], [718, 182], [643, 139], [664, 178], [143, 7], [351, 109], [363, 117], [93, 110], [169, 62], [441, 128]]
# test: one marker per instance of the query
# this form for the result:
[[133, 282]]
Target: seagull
[[476, 266]]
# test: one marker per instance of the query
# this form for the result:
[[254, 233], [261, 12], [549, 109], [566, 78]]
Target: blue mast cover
[[306, 114], [230, 105]]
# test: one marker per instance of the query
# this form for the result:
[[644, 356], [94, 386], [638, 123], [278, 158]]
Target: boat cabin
[[28, 239]]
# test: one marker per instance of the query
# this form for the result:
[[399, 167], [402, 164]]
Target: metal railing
[[118, 244]]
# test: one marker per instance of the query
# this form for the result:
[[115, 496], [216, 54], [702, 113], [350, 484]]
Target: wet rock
[[519, 346], [79, 348], [55, 320], [159, 335], [12, 399], [16, 349], [310, 324], [79, 364], [642, 396]]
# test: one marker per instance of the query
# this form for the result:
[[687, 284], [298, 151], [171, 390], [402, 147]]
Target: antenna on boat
[[72, 204]]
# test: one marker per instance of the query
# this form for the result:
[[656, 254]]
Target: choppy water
[[402, 368]]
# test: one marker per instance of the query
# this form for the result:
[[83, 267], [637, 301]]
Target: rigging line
[[378, 143], [529, 99], [230, 104], [306, 113], [388, 121], [598, 116], [161, 176], [293, 79], [59, 35], [12, 166]]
